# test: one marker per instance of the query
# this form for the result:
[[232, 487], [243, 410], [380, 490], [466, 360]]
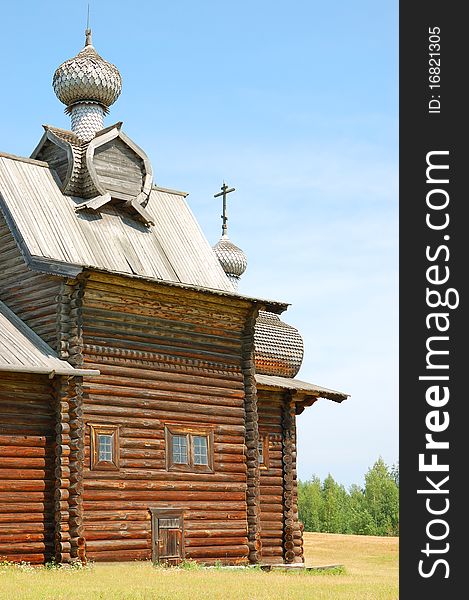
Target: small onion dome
[[87, 78], [278, 346], [232, 259]]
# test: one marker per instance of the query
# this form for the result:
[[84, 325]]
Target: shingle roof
[[279, 346], [49, 231], [272, 381], [21, 350]]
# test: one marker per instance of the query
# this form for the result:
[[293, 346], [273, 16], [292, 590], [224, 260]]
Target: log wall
[[27, 437], [29, 294], [271, 478], [166, 355], [280, 529], [292, 533]]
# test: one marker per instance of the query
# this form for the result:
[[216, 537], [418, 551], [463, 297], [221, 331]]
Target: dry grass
[[371, 572]]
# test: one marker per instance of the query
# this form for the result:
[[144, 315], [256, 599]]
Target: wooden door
[[167, 536]]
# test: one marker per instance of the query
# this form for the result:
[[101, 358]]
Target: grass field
[[370, 573]]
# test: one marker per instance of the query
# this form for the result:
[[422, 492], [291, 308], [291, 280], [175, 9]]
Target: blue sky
[[294, 104]]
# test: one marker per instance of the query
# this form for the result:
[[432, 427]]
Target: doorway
[[167, 536]]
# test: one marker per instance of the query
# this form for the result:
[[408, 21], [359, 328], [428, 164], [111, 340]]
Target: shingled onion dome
[[232, 259], [278, 346], [88, 85]]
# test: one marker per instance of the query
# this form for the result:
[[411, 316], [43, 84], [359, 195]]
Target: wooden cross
[[224, 191]]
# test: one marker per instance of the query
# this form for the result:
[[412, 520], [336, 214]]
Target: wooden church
[[147, 408]]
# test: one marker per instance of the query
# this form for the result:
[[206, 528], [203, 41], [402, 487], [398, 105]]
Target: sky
[[295, 105]]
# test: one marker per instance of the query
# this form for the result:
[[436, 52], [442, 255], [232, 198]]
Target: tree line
[[372, 510]]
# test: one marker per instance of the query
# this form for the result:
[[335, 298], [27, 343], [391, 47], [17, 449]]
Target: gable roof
[[57, 239], [21, 350]]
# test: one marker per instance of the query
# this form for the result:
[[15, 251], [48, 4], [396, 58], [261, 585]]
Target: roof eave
[[71, 372]]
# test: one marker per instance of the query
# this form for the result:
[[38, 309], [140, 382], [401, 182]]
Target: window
[[263, 451], [180, 455], [104, 441], [189, 448], [105, 447], [200, 449]]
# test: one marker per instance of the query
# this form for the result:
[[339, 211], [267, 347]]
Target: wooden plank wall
[[165, 355], [26, 468], [119, 169], [56, 157], [270, 423], [31, 295]]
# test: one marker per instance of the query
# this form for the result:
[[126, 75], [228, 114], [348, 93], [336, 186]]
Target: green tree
[[382, 498], [309, 503], [361, 522], [395, 473], [334, 507]]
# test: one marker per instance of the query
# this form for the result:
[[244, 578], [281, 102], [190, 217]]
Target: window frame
[[264, 439], [97, 429], [173, 429]]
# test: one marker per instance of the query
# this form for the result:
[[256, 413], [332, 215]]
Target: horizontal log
[[272, 551], [122, 534], [136, 292], [23, 474], [193, 543], [25, 526], [196, 520], [143, 524], [267, 490], [26, 452], [221, 552], [136, 380], [238, 467], [170, 331], [163, 495], [34, 559], [27, 519], [37, 442], [226, 438], [230, 458], [139, 474], [22, 421], [122, 340], [101, 404], [32, 508], [272, 528], [101, 414], [20, 538], [268, 479], [129, 444], [15, 548], [270, 499], [33, 402], [273, 515], [179, 486], [25, 485], [210, 534], [118, 555], [200, 516], [157, 451], [143, 463], [157, 301], [195, 507], [223, 382], [114, 545], [21, 426], [24, 462], [13, 497]]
